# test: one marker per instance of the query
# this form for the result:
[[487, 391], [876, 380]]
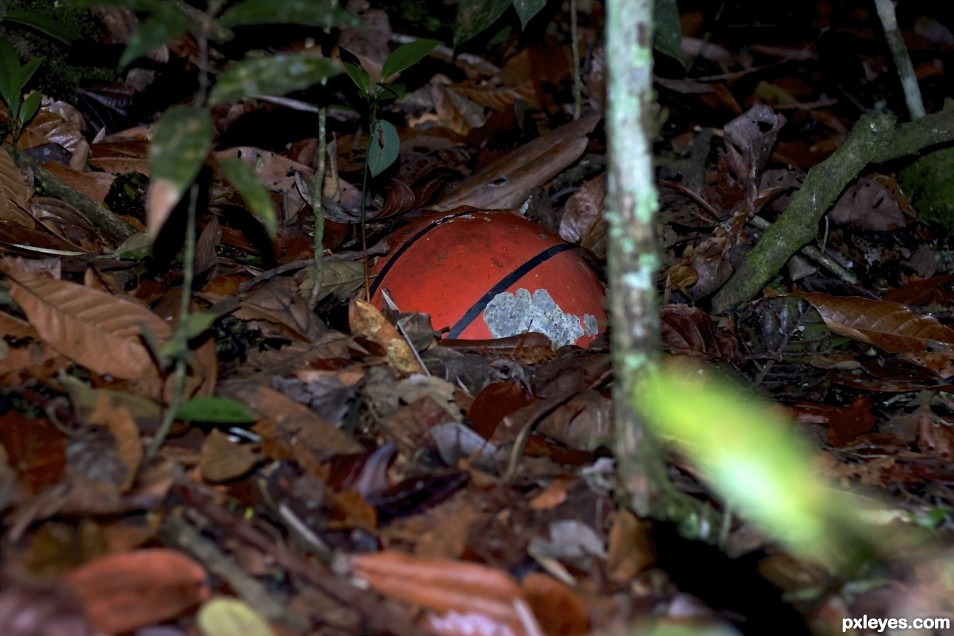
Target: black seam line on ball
[[407, 245], [478, 307]]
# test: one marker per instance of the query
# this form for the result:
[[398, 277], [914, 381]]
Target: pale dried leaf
[[508, 181]]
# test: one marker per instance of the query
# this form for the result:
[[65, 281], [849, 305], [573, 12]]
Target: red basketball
[[491, 275]]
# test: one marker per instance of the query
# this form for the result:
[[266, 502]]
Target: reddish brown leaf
[[126, 591], [493, 403], [36, 450], [845, 423], [560, 610], [923, 291]]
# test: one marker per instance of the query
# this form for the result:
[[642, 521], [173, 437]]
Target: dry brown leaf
[[507, 182], [291, 428], [49, 127], [14, 192], [279, 304], [222, 459], [630, 550], [557, 606], [886, 325], [584, 422], [13, 327], [95, 329], [555, 493], [583, 210], [65, 221], [119, 422], [871, 203], [21, 359], [94, 185], [366, 321], [126, 591]]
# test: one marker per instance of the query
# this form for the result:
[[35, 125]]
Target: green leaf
[[383, 147], [26, 72], [359, 76], [41, 22], [390, 91], [746, 450], [29, 107], [250, 186], [198, 323], [406, 56], [9, 70], [224, 616], [526, 9], [142, 6], [167, 22], [275, 75], [217, 409], [314, 13], [473, 16], [667, 30], [179, 146]]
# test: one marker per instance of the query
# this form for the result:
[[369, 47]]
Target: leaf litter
[[381, 479]]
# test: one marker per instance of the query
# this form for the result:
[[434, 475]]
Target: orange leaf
[[441, 584], [123, 592]]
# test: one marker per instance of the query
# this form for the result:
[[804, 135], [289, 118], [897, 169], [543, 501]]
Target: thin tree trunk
[[633, 259]]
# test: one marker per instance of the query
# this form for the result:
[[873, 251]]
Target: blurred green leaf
[[526, 9], [255, 194], [179, 146], [407, 55], [198, 323], [473, 16], [166, 22], [390, 91], [9, 70], [746, 450], [359, 76], [275, 75], [224, 616], [217, 409], [383, 147], [30, 105], [41, 22], [314, 13]]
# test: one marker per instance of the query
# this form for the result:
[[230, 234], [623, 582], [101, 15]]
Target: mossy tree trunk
[[633, 259]]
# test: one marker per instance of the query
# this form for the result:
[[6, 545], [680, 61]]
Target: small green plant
[[15, 76], [13, 79], [384, 142], [182, 141]]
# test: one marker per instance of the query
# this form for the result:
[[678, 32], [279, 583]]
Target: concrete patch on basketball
[[512, 314]]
